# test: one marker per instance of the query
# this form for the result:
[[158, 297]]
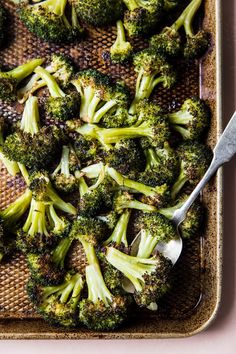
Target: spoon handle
[[223, 152]]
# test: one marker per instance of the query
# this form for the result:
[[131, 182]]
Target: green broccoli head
[[52, 20], [168, 42], [99, 12], [94, 228], [196, 45], [120, 117], [62, 69], [192, 120], [58, 304]]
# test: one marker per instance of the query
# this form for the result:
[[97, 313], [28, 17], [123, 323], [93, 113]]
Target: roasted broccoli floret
[[7, 242], [192, 119], [110, 218], [63, 176], [3, 19], [192, 224], [162, 166], [142, 16], [49, 268], [126, 201], [87, 149], [43, 228], [60, 67], [148, 275], [121, 50], [169, 40], [10, 80], [99, 12], [119, 118], [118, 237], [152, 69], [59, 105], [58, 304], [42, 190], [194, 161], [157, 196], [99, 95], [32, 145], [13, 213], [93, 227], [153, 228], [52, 20]]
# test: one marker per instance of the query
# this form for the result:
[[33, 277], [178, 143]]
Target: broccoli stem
[[93, 171], [12, 214], [152, 158], [59, 203], [180, 117], [147, 244], [30, 122], [89, 251], [134, 268], [24, 173], [185, 19], [22, 71], [97, 289], [55, 6], [128, 183], [135, 204], [11, 166], [60, 252], [182, 179], [184, 132], [169, 212], [58, 223], [118, 236], [53, 87], [36, 220], [83, 188], [64, 165], [131, 4], [103, 110]]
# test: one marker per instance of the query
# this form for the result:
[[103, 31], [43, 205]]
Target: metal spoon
[[222, 153]]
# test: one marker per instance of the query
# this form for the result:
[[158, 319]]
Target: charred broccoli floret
[[152, 69], [42, 190], [49, 268], [32, 145], [99, 12], [162, 166], [93, 227], [121, 50], [13, 213], [110, 218], [52, 20], [60, 106], [87, 149], [156, 196], [43, 228], [192, 119], [153, 228], [60, 67], [58, 304], [10, 80], [126, 201], [169, 40], [7, 243], [3, 19], [142, 16], [119, 118], [99, 95], [192, 224], [194, 161], [63, 176], [148, 275]]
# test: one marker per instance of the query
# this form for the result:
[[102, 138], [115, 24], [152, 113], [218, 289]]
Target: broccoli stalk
[[121, 50], [126, 201], [58, 304], [169, 41], [9, 80], [13, 213], [118, 236], [60, 106]]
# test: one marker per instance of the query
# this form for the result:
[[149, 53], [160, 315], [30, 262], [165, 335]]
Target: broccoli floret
[[127, 201], [58, 304], [60, 67], [162, 166], [110, 219], [194, 161], [126, 157], [13, 213], [153, 228], [99, 12], [93, 227], [99, 95], [142, 16], [118, 237], [60, 106], [121, 50], [63, 176], [52, 20], [157, 196], [10, 80], [148, 275], [120, 117], [86, 149], [192, 119], [152, 69], [169, 40], [49, 268], [3, 19], [193, 221], [42, 229], [7, 242], [32, 145], [43, 191]]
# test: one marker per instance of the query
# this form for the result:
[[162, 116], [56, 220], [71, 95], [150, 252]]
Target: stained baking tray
[[194, 298]]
